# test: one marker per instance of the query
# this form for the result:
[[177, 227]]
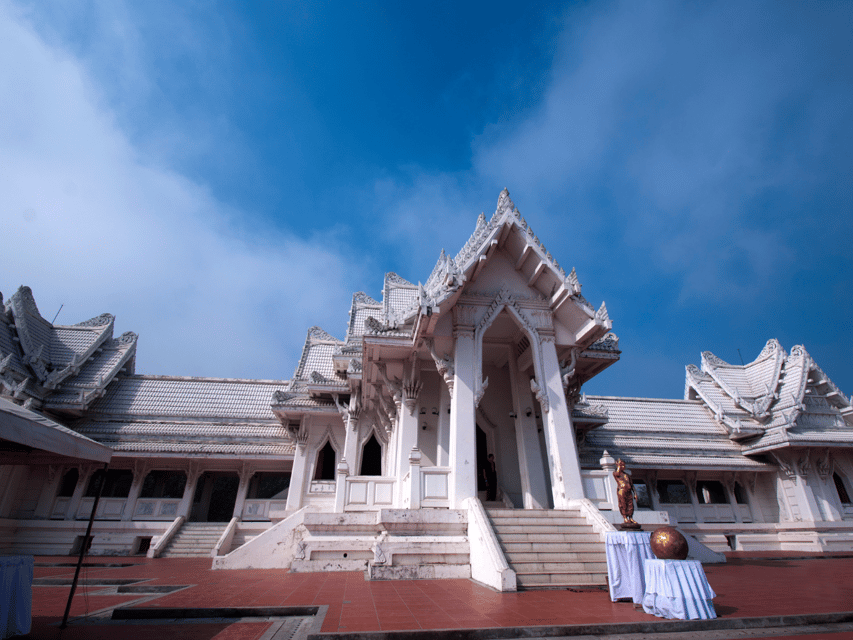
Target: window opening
[[711, 492], [842, 490], [371, 458], [116, 484], [164, 484], [269, 486], [325, 468], [644, 500], [673, 492], [69, 483]]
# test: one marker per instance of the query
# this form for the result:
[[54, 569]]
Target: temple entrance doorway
[[215, 497]]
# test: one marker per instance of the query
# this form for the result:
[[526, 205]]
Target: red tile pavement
[[745, 587]]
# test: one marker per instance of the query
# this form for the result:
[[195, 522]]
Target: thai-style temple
[[375, 455]]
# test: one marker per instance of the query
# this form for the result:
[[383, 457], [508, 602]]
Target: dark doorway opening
[[215, 497]]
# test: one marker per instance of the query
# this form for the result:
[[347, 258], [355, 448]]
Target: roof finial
[[505, 203]]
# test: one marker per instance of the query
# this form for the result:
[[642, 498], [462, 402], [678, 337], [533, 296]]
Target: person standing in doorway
[[490, 474]]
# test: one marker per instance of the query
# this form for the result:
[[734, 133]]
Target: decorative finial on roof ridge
[[505, 203], [601, 315], [360, 297], [25, 296], [394, 278], [574, 282], [713, 360], [97, 321], [317, 333]]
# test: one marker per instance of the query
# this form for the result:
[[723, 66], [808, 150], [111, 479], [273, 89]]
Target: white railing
[[108, 508], [322, 486], [225, 539], [435, 487], [679, 512], [156, 508], [597, 489], [159, 543], [365, 493], [60, 508], [263, 510], [488, 563]]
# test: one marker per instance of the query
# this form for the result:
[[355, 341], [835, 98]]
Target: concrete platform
[[772, 595]]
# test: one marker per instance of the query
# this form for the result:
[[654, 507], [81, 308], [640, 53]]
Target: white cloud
[[88, 224]]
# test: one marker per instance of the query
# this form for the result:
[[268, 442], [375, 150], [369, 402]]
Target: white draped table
[[16, 595], [626, 553], [678, 589]]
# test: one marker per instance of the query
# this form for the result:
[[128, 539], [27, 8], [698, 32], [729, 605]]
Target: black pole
[[85, 545]]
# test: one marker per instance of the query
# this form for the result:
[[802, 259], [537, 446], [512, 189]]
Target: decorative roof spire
[[505, 203]]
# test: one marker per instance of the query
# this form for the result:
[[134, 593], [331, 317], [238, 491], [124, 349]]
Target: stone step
[[533, 513], [562, 556], [194, 540], [559, 567], [544, 538], [561, 521], [552, 547], [543, 528], [555, 579]]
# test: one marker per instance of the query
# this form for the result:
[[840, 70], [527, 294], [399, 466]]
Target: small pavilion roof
[[663, 434]]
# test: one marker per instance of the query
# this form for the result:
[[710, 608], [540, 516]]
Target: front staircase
[[550, 549], [194, 540]]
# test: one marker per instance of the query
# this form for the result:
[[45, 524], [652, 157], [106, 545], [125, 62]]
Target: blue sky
[[223, 175]]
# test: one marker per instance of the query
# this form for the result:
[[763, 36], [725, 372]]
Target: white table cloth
[[626, 553], [678, 589], [16, 595]]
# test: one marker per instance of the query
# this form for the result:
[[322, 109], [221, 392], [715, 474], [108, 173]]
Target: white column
[[342, 471], [140, 470], [350, 453], [608, 465], [799, 495], [566, 483], [749, 484], [48, 493], [186, 504], [86, 472], [17, 476], [407, 439], [246, 473], [415, 484], [463, 434], [690, 481], [527, 438], [443, 437], [729, 485], [297, 479]]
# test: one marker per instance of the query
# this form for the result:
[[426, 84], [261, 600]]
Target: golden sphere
[[668, 544]]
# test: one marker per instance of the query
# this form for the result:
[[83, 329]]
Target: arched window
[[371, 458], [325, 467], [841, 489]]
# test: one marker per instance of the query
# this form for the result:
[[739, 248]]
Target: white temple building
[[374, 456]]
